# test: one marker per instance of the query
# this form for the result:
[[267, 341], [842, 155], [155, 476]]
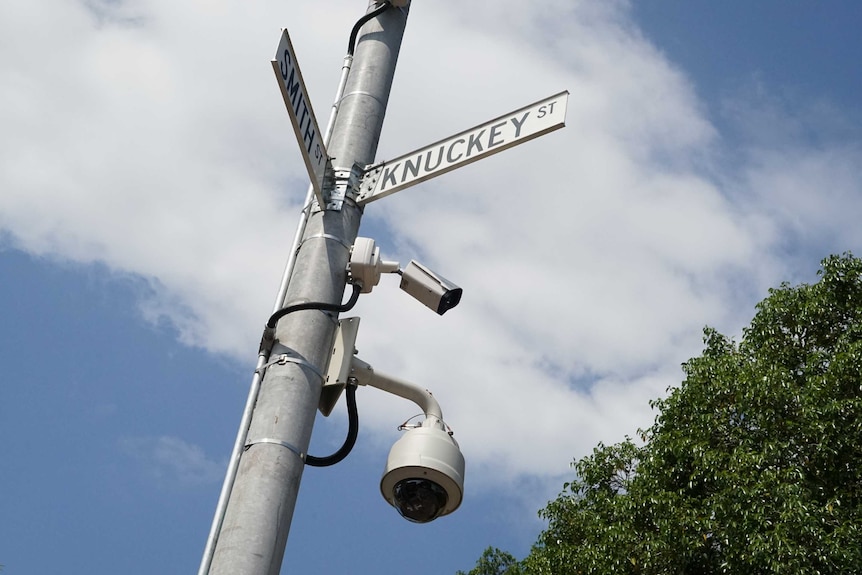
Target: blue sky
[[149, 189]]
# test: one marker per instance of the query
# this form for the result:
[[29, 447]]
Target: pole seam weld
[[362, 93], [326, 237]]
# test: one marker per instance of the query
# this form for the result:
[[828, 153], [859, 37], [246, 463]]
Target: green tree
[[495, 562], [753, 464]]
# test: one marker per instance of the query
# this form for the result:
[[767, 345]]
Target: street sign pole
[[255, 509], [259, 511]]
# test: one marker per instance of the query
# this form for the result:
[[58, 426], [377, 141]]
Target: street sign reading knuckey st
[[501, 133], [305, 126]]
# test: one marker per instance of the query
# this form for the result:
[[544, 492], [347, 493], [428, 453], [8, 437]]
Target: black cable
[[351, 46], [339, 308], [352, 432]]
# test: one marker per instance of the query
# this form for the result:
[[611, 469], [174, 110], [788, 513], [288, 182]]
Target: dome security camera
[[424, 476]]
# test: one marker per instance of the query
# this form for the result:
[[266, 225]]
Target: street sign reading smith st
[[298, 104], [461, 149]]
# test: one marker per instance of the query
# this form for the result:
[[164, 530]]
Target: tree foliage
[[753, 464]]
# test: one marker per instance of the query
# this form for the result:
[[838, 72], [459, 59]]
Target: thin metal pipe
[[254, 390], [233, 464]]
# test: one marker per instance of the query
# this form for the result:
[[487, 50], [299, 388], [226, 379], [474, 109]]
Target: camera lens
[[419, 500]]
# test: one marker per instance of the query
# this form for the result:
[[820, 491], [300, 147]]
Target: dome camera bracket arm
[[364, 374]]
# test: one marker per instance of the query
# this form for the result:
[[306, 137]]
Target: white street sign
[[305, 126], [461, 149]]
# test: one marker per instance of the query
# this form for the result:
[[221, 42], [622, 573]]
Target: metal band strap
[[288, 446], [281, 360], [284, 358], [327, 237]]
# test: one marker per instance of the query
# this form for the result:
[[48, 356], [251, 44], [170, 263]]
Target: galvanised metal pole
[[263, 355], [259, 512]]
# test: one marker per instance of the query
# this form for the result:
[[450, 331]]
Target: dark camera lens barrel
[[419, 500], [449, 300]]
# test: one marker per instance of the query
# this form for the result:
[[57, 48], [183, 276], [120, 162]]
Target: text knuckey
[[461, 149]]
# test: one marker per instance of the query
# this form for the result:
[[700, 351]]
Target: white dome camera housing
[[424, 476]]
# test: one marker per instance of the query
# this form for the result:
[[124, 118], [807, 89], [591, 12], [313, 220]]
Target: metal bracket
[[371, 173], [338, 373], [329, 184], [345, 186]]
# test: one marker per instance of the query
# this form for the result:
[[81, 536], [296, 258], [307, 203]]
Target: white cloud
[[150, 136], [173, 462]]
